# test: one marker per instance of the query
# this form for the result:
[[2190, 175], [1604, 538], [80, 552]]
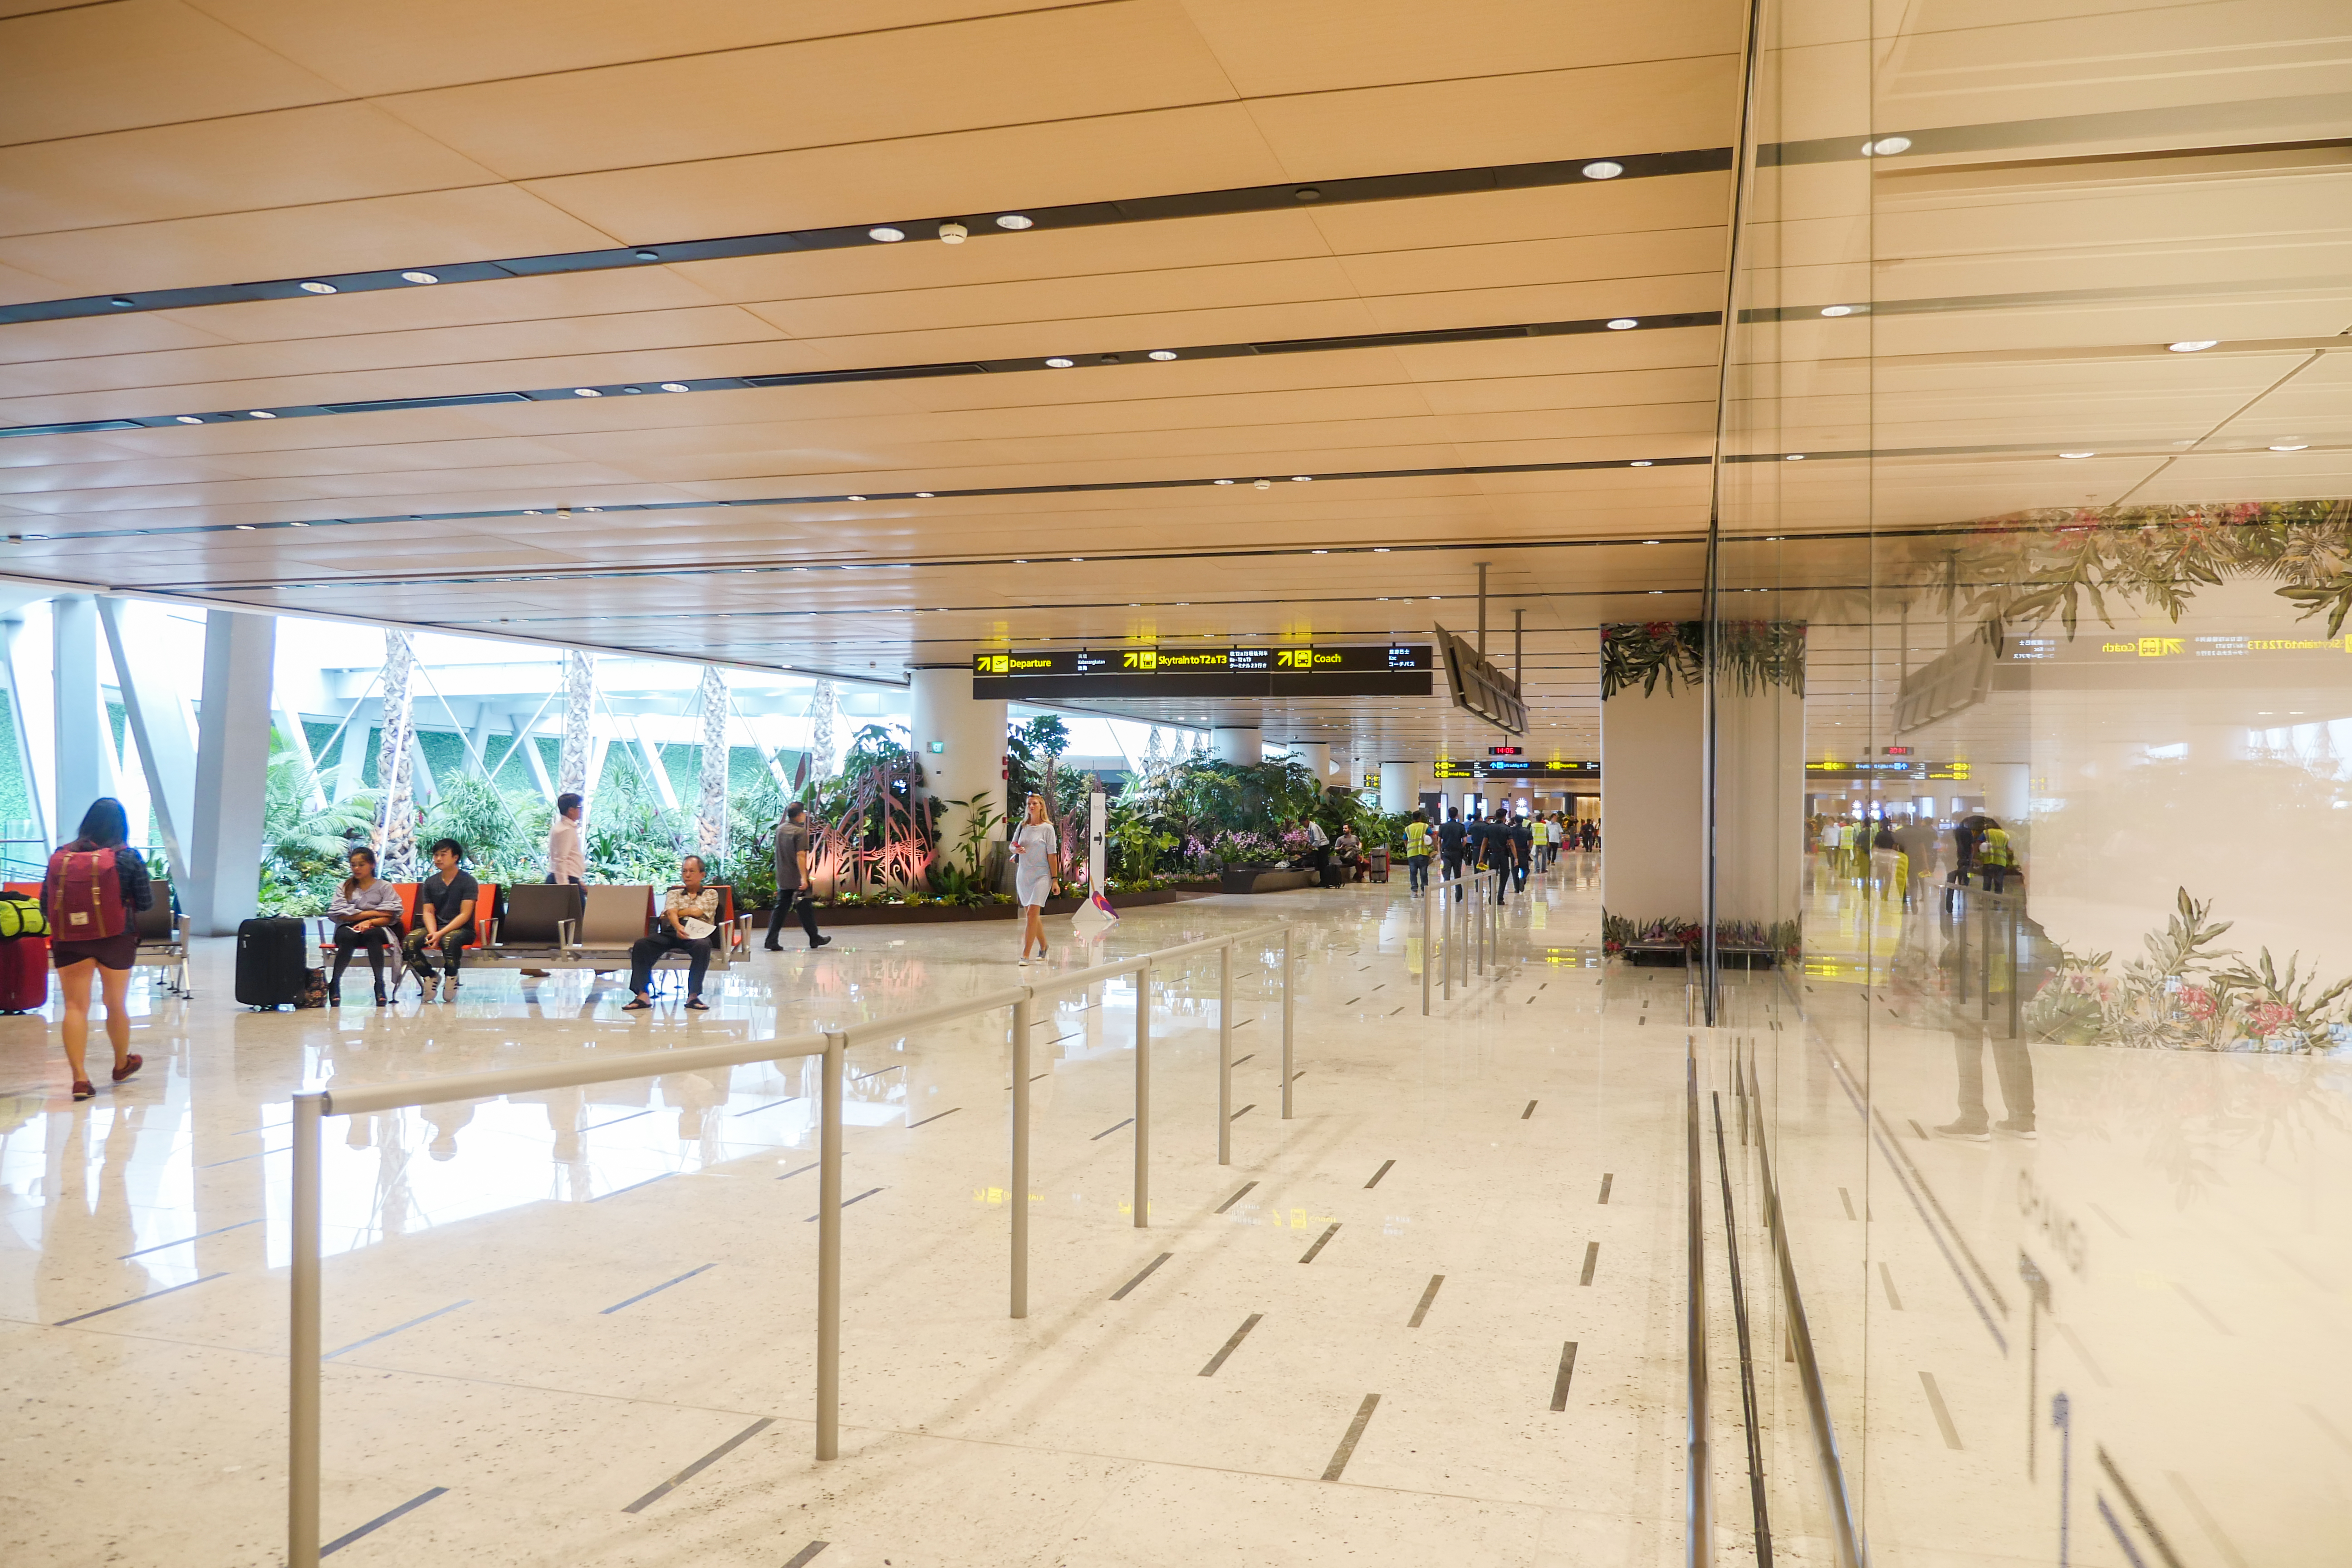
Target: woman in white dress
[[1035, 844]]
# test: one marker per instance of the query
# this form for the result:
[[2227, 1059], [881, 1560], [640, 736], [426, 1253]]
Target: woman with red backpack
[[94, 887]]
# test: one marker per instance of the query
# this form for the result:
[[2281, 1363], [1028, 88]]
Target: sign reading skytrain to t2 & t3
[[1380, 670]]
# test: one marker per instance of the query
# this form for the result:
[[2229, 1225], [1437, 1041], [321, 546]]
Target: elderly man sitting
[[687, 922]]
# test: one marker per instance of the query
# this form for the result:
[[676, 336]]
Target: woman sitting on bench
[[686, 924], [366, 911]]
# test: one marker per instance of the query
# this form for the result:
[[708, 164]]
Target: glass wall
[[2037, 421]]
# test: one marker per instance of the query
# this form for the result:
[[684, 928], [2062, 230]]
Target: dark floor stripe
[[1386, 1166], [633, 1186], [1887, 1278], [1238, 1060], [1120, 1294], [1393, 1012], [1245, 1023], [135, 1300], [240, 1159], [878, 1072], [806, 1554], [632, 1116], [1920, 1131], [699, 1466], [1321, 1241], [1346, 1448], [1108, 1131], [1530, 1111], [656, 1289], [845, 1203], [803, 1170], [1421, 1309], [1606, 1178], [950, 1111], [380, 1520], [1567, 1371], [769, 1106], [1236, 1197], [1848, 1201], [1592, 1258], [184, 1241], [1351, 1001], [1231, 1345], [401, 1328], [1299, 1074], [1245, 1111]]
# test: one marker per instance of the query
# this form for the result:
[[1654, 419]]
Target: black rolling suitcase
[[271, 970]]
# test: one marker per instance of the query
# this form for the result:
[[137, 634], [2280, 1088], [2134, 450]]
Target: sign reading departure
[[1390, 669]]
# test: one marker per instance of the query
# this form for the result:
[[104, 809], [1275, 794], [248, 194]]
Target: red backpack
[[89, 895]]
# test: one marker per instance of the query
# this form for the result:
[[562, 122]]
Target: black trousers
[[377, 939], [1449, 867], [646, 949], [452, 942], [788, 899]]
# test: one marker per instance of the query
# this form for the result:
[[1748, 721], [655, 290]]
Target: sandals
[[696, 1005], [84, 1089], [131, 1065], [635, 1005]]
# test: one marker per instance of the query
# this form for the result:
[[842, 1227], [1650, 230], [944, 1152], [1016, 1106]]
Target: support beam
[[163, 730], [82, 736], [395, 813], [529, 745], [1238, 743], [576, 769], [232, 770], [351, 762], [710, 808], [32, 696], [289, 723], [969, 734]]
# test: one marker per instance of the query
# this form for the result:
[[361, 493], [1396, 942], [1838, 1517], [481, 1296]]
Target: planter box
[[829, 916], [1249, 879]]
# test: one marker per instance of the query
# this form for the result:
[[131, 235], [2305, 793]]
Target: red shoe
[[130, 1067], [83, 1090]]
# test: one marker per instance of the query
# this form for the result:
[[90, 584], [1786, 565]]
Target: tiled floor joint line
[[1428, 1295], [699, 1466], [184, 1241], [1606, 1178], [1561, 1380], [656, 1289], [1530, 1111], [632, 1116], [1943, 1416], [1236, 1197], [1245, 1111], [845, 1203], [806, 1554], [397, 1329], [380, 1520], [1346, 1447], [1592, 1258], [1887, 1279], [950, 1111], [633, 1186], [769, 1106], [134, 1301], [1386, 1166], [1321, 1241], [1238, 1060], [1108, 1131], [1120, 1294], [803, 1170], [1231, 1345]]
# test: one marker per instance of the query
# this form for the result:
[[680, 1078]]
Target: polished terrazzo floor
[[577, 1327]]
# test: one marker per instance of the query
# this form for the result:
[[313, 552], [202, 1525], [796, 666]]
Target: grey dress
[[1033, 874]]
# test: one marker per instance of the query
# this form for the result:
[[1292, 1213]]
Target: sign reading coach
[[1389, 670]]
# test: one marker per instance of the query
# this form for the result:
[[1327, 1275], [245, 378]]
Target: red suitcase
[[24, 973]]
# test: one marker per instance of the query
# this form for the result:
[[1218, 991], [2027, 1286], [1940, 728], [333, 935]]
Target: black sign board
[[1378, 670]]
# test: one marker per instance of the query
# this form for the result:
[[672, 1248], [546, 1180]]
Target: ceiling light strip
[[573, 395], [953, 231]]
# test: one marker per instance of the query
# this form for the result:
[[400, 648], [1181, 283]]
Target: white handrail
[[311, 1107]]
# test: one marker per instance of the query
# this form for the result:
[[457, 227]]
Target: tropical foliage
[[303, 844], [1748, 656]]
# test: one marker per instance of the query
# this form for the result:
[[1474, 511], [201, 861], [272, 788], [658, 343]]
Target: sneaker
[[1967, 1132], [2018, 1127]]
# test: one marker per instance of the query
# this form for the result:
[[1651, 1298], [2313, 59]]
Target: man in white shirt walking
[[567, 859]]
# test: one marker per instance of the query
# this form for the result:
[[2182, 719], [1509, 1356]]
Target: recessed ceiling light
[[1649, 542], [1602, 169], [1837, 310], [192, 419], [1078, 558], [887, 234], [245, 528], [674, 386], [1658, 590], [121, 302], [1161, 355], [856, 497], [2078, 454], [2192, 345], [1796, 457], [1380, 549], [1020, 564], [1320, 552], [923, 495], [1641, 462], [1435, 597], [317, 288], [1301, 478], [1623, 324], [259, 414], [1061, 363], [1886, 147], [420, 278], [585, 392], [2289, 446], [1221, 481], [1014, 220]]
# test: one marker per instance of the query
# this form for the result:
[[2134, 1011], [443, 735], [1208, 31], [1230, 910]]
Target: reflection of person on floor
[[2015, 1065]]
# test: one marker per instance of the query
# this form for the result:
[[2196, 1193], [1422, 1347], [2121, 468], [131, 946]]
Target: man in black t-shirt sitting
[[445, 919]]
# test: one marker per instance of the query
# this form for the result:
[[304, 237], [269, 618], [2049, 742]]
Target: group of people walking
[[1495, 841]]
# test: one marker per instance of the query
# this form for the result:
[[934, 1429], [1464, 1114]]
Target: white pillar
[[1314, 756], [710, 809], [33, 694], [1237, 743], [396, 818], [1652, 773], [573, 771], [162, 731], [1396, 786], [84, 741], [232, 770], [959, 744]]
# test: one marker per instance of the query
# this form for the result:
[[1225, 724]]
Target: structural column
[[710, 811], [1314, 756], [571, 767], [232, 771], [959, 745], [395, 820], [1237, 743], [1396, 786], [84, 737], [163, 733]]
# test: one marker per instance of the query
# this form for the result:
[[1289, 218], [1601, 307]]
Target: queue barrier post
[[1287, 975], [1226, 1054], [828, 1248], [1019, 1194], [302, 1351], [1143, 1096]]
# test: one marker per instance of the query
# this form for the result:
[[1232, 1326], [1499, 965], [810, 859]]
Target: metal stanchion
[[2016, 986], [302, 1352], [1143, 1097], [1452, 904], [1287, 974], [1225, 1055], [1428, 950], [1019, 1196], [828, 1250], [1984, 957]]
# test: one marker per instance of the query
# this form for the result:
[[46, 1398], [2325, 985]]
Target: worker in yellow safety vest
[[1995, 858]]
